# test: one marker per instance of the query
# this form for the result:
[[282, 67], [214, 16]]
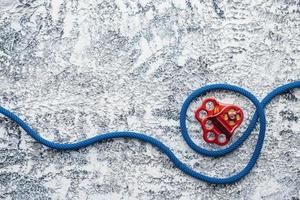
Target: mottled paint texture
[[72, 69]]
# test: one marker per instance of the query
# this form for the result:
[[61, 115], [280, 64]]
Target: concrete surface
[[72, 69]]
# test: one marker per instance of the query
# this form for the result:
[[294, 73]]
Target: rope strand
[[259, 115]]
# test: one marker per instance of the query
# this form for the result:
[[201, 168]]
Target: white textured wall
[[72, 69]]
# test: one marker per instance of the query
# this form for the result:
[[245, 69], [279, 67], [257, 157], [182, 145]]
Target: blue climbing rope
[[258, 115]]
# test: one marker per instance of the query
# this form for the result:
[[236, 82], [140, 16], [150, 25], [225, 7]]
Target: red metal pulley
[[218, 120]]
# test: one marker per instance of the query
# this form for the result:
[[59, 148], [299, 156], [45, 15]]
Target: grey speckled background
[[72, 69]]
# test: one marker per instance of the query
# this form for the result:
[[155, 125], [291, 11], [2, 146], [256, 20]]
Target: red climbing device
[[218, 121]]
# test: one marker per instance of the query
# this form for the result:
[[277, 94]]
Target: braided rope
[[259, 115]]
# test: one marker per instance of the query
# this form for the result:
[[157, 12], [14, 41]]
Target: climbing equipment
[[218, 120], [258, 115]]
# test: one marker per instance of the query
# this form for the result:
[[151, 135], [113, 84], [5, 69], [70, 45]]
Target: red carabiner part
[[218, 121]]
